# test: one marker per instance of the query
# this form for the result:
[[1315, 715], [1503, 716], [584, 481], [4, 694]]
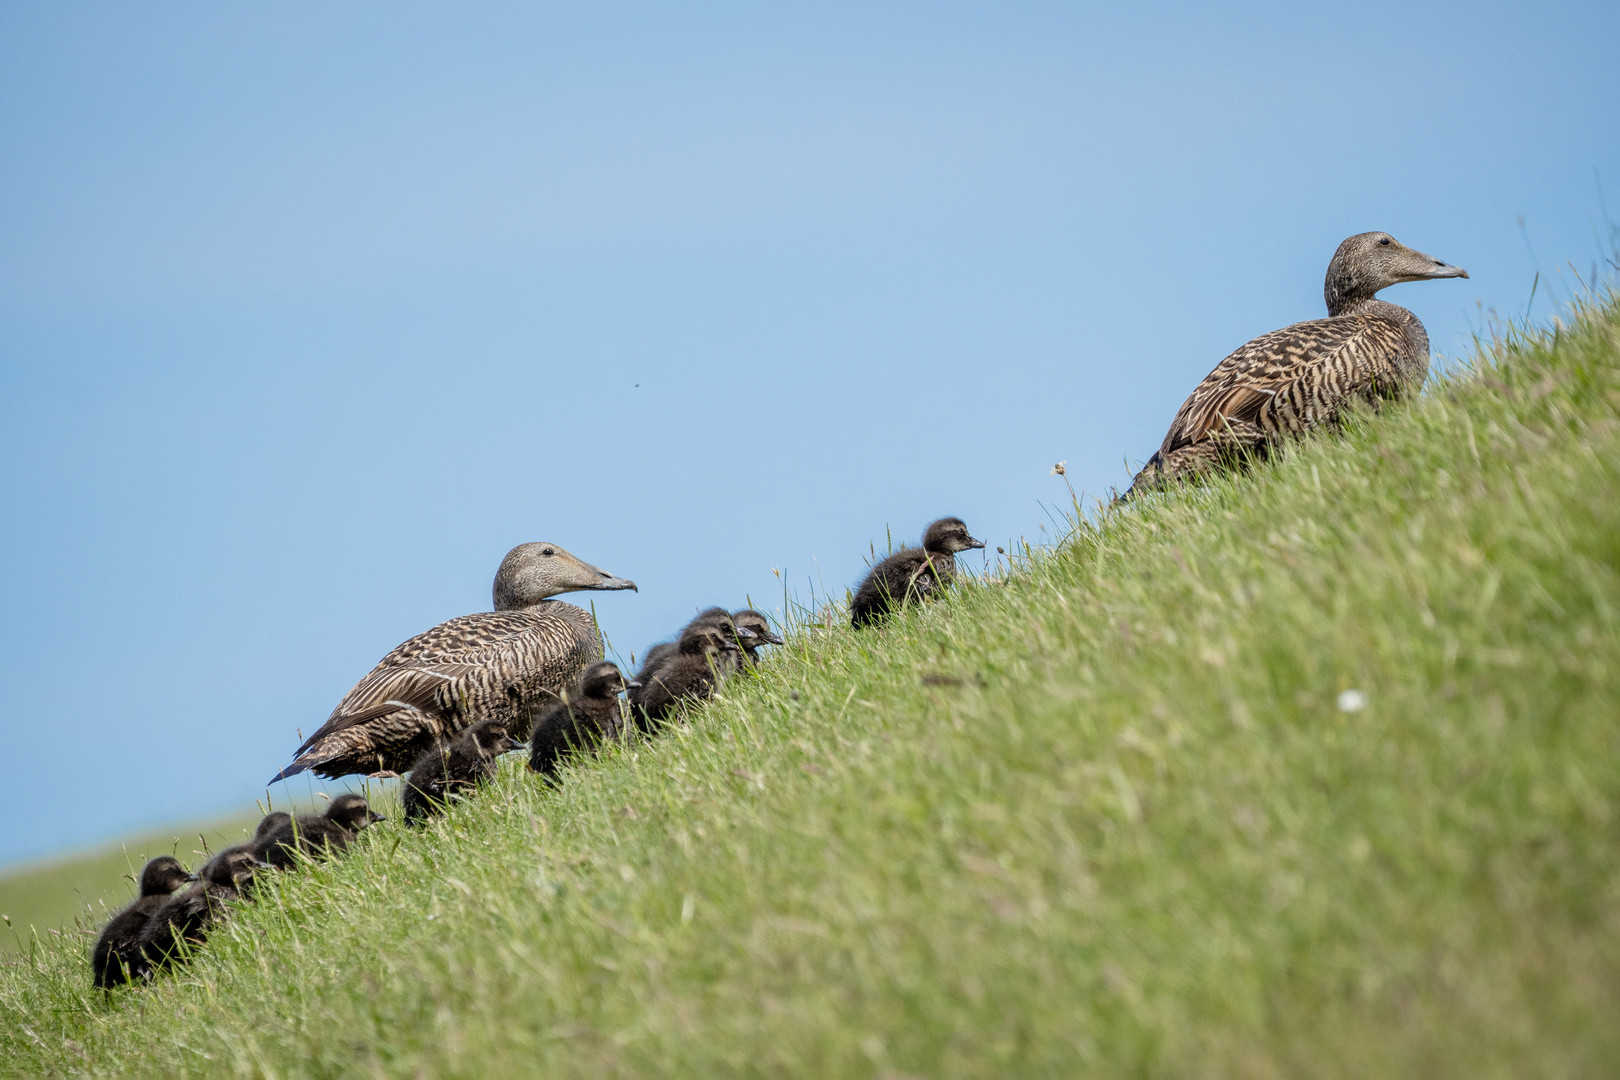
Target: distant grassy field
[[76, 892], [1307, 772]]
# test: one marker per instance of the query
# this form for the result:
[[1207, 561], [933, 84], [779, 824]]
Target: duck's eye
[[547, 551], [1384, 242]]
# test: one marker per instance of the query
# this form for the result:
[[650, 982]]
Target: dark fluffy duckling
[[468, 761], [759, 627], [588, 714], [190, 913], [117, 957], [912, 574], [316, 834], [707, 653], [658, 654]]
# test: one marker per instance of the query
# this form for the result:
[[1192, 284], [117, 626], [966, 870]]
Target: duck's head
[[493, 739], [233, 867], [947, 536], [163, 875], [723, 621], [1368, 262], [270, 823], [532, 572], [756, 624], [707, 639], [603, 679], [352, 812]]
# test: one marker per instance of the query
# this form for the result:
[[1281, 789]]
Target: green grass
[[1103, 817], [75, 894]]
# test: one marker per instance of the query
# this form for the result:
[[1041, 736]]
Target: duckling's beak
[[260, 864], [776, 639], [972, 543], [193, 877], [634, 685], [744, 634]]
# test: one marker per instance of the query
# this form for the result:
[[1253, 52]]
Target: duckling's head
[[947, 536], [492, 738], [270, 823], [234, 867], [756, 624], [162, 875], [720, 619], [1368, 262], [706, 639], [532, 572], [352, 812], [602, 679]]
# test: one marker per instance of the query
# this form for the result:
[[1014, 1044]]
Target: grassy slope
[[78, 892], [1136, 838]]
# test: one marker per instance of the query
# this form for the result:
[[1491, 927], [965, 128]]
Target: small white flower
[[1352, 701], [1060, 469]]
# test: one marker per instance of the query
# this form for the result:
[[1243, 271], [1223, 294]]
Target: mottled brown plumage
[[505, 663], [1303, 377]]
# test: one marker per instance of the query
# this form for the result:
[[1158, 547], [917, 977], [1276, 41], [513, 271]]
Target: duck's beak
[[609, 582], [776, 639], [1421, 267], [632, 685], [972, 543], [192, 877]]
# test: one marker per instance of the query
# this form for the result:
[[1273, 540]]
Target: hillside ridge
[[1300, 771]]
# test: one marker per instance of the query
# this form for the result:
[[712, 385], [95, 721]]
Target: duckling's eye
[[547, 551], [1384, 242]]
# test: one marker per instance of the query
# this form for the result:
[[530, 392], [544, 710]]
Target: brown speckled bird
[[1291, 381], [503, 663], [912, 574]]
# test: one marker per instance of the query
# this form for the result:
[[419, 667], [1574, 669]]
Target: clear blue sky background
[[309, 312]]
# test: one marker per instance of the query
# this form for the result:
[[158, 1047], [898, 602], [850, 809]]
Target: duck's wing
[[1299, 367], [408, 698]]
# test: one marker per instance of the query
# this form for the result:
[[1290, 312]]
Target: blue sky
[[309, 313]]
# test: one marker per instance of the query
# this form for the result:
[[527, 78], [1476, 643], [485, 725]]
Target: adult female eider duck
[[503, 663], [1290, 381]]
